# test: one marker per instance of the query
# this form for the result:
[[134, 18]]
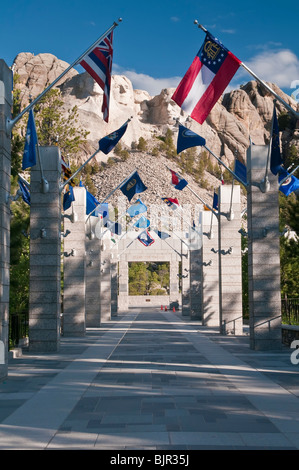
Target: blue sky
[[157, 40]]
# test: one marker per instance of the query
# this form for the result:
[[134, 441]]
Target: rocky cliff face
[[238, 116]]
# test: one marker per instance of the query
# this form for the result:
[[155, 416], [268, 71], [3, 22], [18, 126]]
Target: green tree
[[55, 127]]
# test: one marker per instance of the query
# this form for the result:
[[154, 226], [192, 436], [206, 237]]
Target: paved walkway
[[151, 380]]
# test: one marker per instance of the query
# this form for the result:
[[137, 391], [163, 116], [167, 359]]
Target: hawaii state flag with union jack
[[209, 74], [98, 63]]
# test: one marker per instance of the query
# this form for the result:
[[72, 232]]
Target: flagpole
[[11, 122], [259, 80], [227, 168]]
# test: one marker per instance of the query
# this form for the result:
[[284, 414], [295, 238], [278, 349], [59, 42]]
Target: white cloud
[[280, 67], [141, 81]]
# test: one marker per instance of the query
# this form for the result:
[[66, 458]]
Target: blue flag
[[290, 185], [137, 208], [177, 181], [68, 198], [162, 235], [106, 144], [215, 201], [240, 171], [91, 201], [25, 190], [187, 139], [275, 157], [103, 210], [29, 155], [114, 227], [145, 238], [133, 186], [143, 222]]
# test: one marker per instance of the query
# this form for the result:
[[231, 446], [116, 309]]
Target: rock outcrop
[[239, 116]]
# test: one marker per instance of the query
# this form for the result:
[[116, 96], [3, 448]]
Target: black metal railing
[[18, 327], [290, 311]]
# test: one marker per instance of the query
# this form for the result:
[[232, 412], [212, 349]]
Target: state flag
[[136, 208], [206, 79], [162, 235], [172, 203], [31, 141], [98, 63], [68, 198], [25, 190], [291, 183], [106, 144], [143, 222], [275, 156], [132, 186], [177, 181], [145, 238], [240, 171], [188, 138]]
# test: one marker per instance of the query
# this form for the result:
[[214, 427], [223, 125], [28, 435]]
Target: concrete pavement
[[151, 380]]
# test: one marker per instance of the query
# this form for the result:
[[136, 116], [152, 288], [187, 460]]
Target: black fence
[[290, 311], [19, 322], [18, 327]]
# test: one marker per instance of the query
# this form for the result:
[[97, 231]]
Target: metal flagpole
[[227, 168], [289, 108], [10, 123]]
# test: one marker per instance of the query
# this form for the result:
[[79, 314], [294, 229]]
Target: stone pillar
[[92, 275], [185, 281], [174, 294], [114, 285], [210, 272], [196, 274], [74, 322], [263, 255], [106, 280], [123, 284], [5, 170], [230, 264], [45, 254]]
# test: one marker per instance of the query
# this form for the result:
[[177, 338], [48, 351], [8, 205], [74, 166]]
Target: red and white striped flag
[[98, 63], [209, 74]]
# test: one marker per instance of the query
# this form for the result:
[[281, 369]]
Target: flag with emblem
[[287, 183], [136, 208], [98, 63], [106, 144], [188, 138], [68, 197], [206, 79], [132, 186], [145, 238], [173, 203]]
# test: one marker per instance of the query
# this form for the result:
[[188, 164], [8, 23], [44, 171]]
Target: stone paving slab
[[151, 380]]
